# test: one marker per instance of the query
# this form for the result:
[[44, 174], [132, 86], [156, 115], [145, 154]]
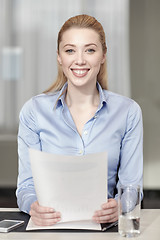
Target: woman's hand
[[44, 216], [108, 213]]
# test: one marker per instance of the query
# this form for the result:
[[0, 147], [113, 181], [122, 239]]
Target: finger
[[40, 209], [107, 214], [45, 215], [106, 218], [114, 219], [51, 215], [110, 204], [45, 222], [109, 211], [109, 221]]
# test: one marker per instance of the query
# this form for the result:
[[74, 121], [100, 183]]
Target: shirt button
[[80, 151], [95, 116], [85, 132]]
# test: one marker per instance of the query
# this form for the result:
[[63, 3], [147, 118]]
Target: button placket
[[80, 152], [85, 132]]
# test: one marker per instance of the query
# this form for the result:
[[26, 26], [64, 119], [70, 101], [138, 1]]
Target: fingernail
[[58, 214], [51, 210]]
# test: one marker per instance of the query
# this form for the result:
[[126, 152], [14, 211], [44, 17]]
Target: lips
[[80, 72]]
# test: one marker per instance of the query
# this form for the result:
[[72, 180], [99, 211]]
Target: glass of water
[[129, 205]]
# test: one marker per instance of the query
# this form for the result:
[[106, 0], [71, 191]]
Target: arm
[[28, 137], [131, 162], [131, 154]]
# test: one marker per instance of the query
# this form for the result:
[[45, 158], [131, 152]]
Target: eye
[[90, 50], [70, 51]]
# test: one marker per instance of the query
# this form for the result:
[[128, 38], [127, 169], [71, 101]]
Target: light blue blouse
[[47, 125]]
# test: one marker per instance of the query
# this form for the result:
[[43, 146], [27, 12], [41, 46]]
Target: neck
[[82, 96]]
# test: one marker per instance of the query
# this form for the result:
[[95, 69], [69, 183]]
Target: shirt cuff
[[25, 201]]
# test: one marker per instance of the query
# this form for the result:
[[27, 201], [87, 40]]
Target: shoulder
[[39, 102], [120, 102]]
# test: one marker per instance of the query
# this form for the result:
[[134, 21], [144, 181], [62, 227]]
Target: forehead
[[80, 36]]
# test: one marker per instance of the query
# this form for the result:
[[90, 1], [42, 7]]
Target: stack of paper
[[76, 186]]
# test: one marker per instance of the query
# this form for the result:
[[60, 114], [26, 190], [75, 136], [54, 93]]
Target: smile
[[80, 72]]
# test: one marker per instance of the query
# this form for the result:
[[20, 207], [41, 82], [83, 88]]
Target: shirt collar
[[61, 96], [62, 93], [102, 95]]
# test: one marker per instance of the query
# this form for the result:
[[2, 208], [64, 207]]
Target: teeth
[[80, 72]]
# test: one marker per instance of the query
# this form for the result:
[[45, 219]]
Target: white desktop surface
[[150, 230]]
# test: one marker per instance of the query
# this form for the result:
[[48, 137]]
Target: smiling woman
[[79, 116], [96, 41], [80, 56]]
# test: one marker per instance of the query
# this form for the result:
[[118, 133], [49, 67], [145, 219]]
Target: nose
[[80, 59]]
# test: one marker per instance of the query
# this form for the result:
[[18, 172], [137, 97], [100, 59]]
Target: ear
[[59, 58], [103, 59]]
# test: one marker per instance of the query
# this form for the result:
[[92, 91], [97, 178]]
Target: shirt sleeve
[[131, 153], [28, 137]]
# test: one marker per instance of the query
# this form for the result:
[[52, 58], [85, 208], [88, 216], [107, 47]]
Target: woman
[[84, 117]]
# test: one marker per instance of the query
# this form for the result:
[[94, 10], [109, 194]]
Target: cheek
[[96, 62], [96, 65], [67, 59], [65, 62]]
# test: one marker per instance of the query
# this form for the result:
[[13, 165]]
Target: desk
[[150, 230]]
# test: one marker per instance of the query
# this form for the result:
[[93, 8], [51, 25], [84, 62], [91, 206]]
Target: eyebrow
[[86, 45]]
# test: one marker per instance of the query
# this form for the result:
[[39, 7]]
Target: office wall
[[145, 80], [8, 160], [28, 33], [145, 88]]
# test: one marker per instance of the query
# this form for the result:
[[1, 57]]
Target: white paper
[[84, 225], [76, 186]]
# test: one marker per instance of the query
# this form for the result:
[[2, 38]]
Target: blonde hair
[[81, 21]]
